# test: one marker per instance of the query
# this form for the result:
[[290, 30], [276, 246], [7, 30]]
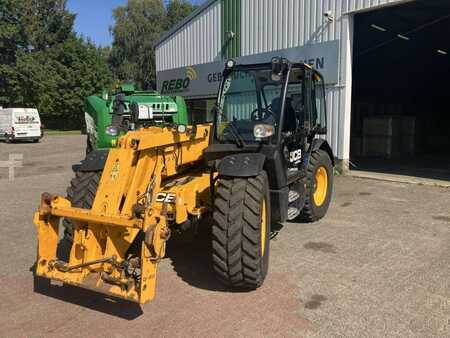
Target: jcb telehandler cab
[[258, 163]]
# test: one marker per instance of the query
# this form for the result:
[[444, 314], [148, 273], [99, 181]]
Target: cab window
[[319, 106]]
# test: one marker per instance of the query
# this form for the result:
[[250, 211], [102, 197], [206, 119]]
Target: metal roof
[[184, 22]]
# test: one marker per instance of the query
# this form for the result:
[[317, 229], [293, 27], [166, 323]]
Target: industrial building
[[385, 63]]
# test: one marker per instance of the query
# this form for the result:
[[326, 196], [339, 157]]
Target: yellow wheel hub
[[263, 227], [320, 186]]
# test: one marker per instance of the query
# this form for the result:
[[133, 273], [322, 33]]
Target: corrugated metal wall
[[199, 41], [275, 24]]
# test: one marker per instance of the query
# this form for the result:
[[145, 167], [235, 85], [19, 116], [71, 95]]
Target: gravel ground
[[376, 265]]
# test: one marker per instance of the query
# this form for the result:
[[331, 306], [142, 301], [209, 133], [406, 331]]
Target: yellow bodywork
[[154, 176]]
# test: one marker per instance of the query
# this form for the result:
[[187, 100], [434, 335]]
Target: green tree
[[44, 64], [46, 23], [11, 40], [10, 32], [138, 25], [59, 79], [177, 10]]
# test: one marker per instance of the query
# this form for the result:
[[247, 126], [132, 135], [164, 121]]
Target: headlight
[[230, 63], [112, 131], [181, 128], [263, 131]]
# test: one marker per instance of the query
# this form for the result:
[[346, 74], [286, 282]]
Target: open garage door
[[400, 105]]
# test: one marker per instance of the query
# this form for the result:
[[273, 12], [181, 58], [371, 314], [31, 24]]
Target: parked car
[[17, 124]]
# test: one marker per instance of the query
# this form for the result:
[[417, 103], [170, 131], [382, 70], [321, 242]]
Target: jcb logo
[[166, 197], [295, 156]]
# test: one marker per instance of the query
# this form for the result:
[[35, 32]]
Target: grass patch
[[51, 132]]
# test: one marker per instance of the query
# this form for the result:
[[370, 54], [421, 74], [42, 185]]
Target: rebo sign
[[203, 80]]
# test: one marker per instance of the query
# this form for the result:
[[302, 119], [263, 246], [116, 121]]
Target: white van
[[20, 124]]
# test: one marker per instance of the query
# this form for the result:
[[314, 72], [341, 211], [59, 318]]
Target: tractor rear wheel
[[319, 186], [241, 231], [81, 193]]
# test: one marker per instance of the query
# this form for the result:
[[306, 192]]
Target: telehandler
[[261, 161], [107, 117]]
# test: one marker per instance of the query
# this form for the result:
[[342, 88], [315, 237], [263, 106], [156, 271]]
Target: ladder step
[[293, 196], [293, 212]]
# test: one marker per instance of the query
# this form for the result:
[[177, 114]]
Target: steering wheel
[[263, 113]]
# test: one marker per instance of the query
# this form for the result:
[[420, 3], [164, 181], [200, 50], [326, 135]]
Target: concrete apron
[[398, 178], [342, 167]]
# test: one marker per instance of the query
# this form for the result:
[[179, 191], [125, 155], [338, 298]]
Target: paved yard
[[377, 265]]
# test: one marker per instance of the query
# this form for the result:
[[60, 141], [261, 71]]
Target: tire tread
[[81, 193], [236, 237], [308, 213]]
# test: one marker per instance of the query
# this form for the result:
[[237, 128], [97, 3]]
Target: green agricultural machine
[[107, 118]]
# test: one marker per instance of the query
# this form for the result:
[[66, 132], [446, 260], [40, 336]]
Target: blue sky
[[95, 16]]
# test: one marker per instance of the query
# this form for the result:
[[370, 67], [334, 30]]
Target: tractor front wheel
[[241, 231], [319, 186]]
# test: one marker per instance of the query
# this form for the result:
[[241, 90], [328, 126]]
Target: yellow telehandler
[[260, 161]]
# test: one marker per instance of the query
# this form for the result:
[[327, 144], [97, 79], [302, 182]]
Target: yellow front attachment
[[152, 179]]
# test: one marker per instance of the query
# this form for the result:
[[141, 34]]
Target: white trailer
[[20, 124]]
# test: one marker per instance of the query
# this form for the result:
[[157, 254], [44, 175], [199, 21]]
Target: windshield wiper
[[237, 136], [233, 129]]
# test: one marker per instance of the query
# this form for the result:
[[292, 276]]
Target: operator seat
[[289, 120], [297, 104]]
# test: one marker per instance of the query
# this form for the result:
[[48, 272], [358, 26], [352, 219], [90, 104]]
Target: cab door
[[295, 119], [310, 111]]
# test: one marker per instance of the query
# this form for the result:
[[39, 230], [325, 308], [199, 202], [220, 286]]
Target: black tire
[[36, 140], [237, 237], [312, 212], [81, 193]]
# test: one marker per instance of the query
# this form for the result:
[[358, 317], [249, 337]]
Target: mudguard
[[241, 165], [323, 144], [94, 161]]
